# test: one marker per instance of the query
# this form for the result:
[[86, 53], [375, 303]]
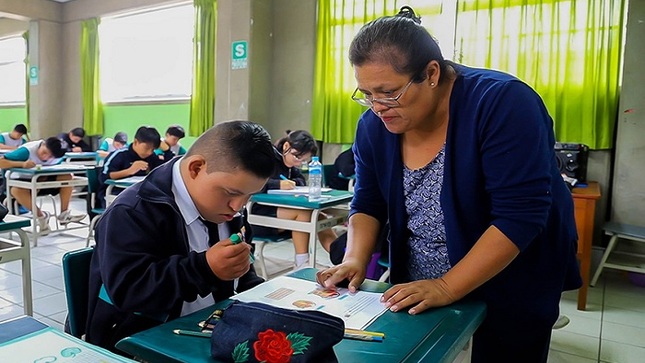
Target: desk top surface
[[14, 222], [330, 199], [50, 169], [591, 191], [437, 335], [126, 182], [81, 154]]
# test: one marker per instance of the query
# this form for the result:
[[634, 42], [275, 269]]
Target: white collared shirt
[[196, 231]]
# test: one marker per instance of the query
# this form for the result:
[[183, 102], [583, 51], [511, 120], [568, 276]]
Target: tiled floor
[[611, 330]]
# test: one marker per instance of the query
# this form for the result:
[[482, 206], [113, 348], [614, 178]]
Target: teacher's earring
[[431, 84]]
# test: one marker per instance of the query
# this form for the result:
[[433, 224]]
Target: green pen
[[235, 238]]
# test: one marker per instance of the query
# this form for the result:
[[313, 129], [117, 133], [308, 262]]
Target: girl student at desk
[[291, 152]]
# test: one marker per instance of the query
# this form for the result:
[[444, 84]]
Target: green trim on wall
[[11, 116], [129, 118]]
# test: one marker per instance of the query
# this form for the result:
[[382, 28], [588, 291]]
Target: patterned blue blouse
[[428, 257]]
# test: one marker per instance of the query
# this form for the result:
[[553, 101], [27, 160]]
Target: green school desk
[[11, 250], [87, 158], [119, 183], [437, 335], [33, 184], [329, 204], [25, 339]]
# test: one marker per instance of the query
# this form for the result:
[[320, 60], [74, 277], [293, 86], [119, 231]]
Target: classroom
[[272, 66]]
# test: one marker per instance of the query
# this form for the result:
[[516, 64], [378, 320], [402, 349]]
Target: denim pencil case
[[256, 332]]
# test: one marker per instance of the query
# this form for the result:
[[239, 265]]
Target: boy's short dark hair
[[78, 131], [121, 137], [148, 135], [176, 130], [20, 128], [236, 145], [55, 146]]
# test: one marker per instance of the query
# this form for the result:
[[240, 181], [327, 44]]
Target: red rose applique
[[273, 347]]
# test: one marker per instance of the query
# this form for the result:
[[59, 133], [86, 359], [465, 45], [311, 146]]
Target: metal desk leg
[[26, 273], [34, 209], [313, 237]]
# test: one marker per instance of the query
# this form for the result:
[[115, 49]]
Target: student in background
[[437, 157], [163, 248], [138, 159], [14, 139], [73, 141], [41, 152], [108, 145], [290, 153], [170, 146], [342, 170]]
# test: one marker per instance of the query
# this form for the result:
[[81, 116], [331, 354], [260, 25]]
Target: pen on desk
[[365, 337], [192, 333], [283, 177], [364, 332]]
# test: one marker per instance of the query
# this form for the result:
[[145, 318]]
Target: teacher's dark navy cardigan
[[500, 169]]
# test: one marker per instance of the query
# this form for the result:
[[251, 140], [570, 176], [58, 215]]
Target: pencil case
[[256, 332]]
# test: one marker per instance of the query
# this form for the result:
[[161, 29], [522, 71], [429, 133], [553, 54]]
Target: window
[[147, 56], [12, 71]]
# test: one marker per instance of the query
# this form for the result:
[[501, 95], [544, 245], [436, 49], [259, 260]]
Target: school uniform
[[69, 145], [172, 151], [120, 160], [29, 151], [146, 260], [107, 145], [5, 138]]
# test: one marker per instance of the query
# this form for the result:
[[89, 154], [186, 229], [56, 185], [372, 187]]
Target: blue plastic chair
[[76, 276]]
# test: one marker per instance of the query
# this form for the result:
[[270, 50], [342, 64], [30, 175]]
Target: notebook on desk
[[300, 190]]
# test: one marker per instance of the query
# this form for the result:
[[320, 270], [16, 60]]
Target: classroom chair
[[384, 262], [93, 211], [76, 276], [622, 260], [260, 242]]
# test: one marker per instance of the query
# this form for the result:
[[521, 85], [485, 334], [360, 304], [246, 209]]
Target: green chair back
[[76, 276]]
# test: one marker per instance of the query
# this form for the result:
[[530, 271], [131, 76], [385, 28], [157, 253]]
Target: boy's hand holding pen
[[240, 237], [228, 259]]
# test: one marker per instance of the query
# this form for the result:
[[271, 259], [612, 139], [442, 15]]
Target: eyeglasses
[[295, 154], [390, 102]]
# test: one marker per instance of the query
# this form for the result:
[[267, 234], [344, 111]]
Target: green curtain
[[202, 101], [25, 36], [568, 51], [335, 115], [92, 106]]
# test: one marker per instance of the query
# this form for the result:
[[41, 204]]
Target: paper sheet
[[300, 190], [357, 310], [50, 345]]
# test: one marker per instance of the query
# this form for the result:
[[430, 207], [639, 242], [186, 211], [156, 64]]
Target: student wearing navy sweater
[[138, 159], [460, 161], [163, 248]]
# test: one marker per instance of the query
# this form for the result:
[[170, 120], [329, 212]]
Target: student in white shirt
[[41, 152], [12, 140], [108, 145]]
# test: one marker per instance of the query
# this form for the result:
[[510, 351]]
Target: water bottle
[[315, 179]]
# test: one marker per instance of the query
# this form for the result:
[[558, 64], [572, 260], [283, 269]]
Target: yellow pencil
[[364, 332]]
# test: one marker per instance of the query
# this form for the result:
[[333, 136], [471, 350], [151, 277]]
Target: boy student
[[12, 140], [73, 140], [41, 152], [163, 248], [136, 160], [108, 145], [170, 146]]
